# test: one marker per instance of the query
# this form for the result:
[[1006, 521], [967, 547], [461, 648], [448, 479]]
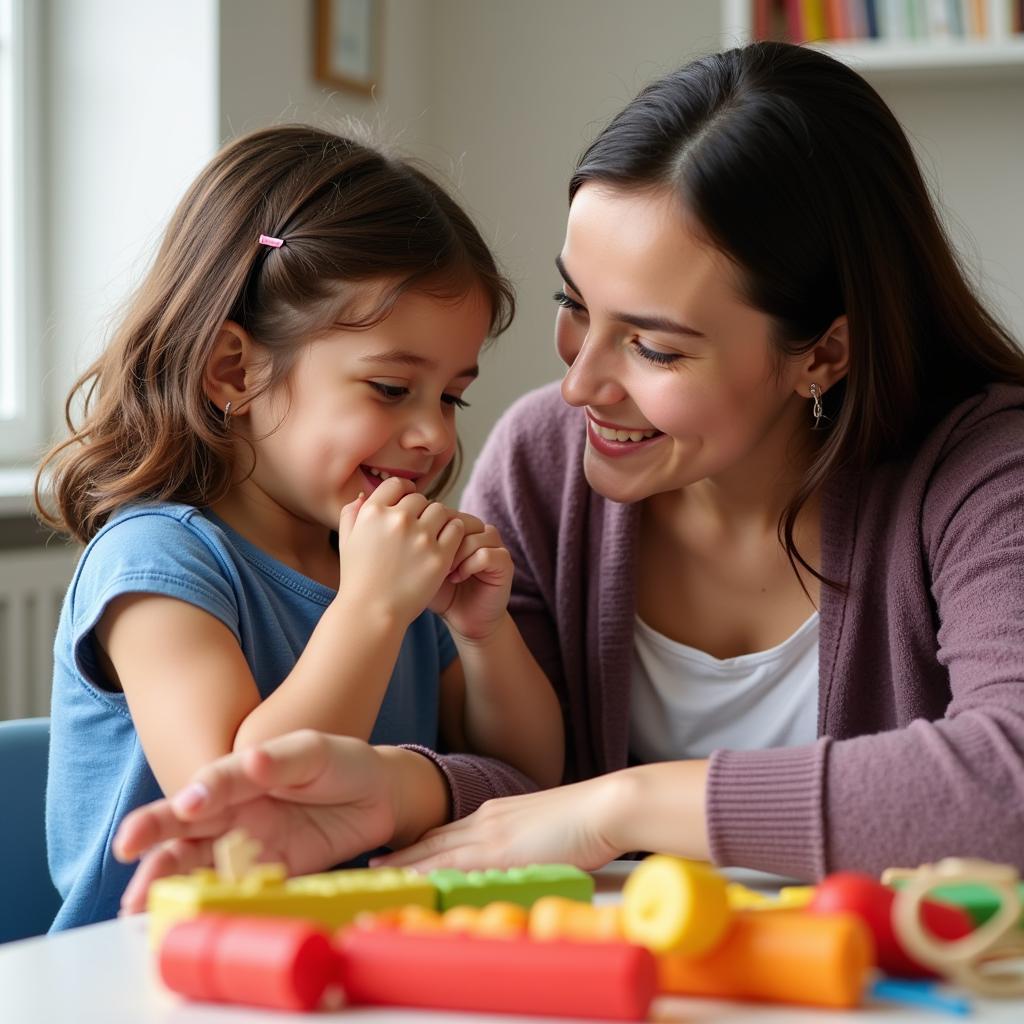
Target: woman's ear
[[230, 370], [829, 361]]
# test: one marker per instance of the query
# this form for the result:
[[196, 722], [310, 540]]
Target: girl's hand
[[396, 548], [474, 597], [312, 800], [566, 825]]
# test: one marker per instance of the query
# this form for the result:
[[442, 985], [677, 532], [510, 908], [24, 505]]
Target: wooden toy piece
[[555, 917], [873, 902], [610, 981], [980, 901], [787, 957], [331, 899], [965, 960], [272, 962], [234, 855], [671, 904], [522, 885]]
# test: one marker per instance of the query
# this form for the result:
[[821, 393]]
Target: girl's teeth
[[610, 434], [382, 473]]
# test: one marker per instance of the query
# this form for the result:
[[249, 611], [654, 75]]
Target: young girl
[[784, 479], [254, 479]]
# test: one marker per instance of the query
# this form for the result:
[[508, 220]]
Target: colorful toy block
[[523, 885], [331, 899]]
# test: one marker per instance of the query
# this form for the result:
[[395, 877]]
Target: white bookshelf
[[898, 58]]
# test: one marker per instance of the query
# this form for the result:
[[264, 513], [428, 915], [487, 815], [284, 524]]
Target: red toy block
[[608, 980], [274, 962], [870, 900]]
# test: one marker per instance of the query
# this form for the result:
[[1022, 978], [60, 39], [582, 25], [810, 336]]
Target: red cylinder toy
[[608, 980], [274, 962]]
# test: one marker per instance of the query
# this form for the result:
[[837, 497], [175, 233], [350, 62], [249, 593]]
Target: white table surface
[[105, 974]]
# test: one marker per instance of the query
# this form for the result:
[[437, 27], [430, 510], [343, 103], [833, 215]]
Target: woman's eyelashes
[[652, 355], [396, 392], [571, 304]]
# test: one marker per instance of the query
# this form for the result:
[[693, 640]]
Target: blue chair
[[28, 900]]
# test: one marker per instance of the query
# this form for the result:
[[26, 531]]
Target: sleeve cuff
[[472, 780], [765, 810]]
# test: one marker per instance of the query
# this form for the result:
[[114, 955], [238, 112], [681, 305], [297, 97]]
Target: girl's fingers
[[347, 518], [391, 491], [435, 517], [490, 564], [472, 524], [450, 537]]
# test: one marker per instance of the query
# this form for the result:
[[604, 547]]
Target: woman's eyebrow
[[644, 322]]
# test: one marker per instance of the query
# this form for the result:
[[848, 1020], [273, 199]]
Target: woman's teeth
[[622, 435]]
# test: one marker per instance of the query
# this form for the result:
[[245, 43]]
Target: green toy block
[[516, 885]]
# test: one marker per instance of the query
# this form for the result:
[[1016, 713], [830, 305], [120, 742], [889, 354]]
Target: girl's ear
[[230, 370], [829, 361]]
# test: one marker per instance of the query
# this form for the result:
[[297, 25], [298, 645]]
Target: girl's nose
[[592, 378], [430, 431]]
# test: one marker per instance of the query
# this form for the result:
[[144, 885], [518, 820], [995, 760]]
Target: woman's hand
[[658, 807], [567, 825], [474, 597], [312, 800], [396, 548]]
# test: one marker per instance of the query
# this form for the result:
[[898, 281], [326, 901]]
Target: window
[[22, 410]]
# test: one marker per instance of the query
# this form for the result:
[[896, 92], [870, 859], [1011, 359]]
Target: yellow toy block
[[332, 898], [790, 897]]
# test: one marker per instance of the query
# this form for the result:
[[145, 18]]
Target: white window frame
[[22, 394]]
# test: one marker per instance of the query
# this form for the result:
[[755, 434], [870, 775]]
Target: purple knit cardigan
[[921, 660]]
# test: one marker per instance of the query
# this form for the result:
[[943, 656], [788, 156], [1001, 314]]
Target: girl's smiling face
[[678, 375], [361, 405]]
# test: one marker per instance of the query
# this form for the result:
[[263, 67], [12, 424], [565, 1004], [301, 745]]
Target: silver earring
[[227, 416], [817, 412]]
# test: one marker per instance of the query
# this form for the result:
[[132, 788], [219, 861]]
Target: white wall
[[266, 70], [132, 102], [501, 95]]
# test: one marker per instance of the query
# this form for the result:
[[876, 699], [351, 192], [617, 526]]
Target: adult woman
[[783, 396]]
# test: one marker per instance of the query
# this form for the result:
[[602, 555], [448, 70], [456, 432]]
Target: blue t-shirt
[[98, 771]]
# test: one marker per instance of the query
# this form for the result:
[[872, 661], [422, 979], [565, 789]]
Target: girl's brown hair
[[797, 171], [348, 214]]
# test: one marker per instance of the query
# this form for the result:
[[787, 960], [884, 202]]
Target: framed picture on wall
[[348, 43]]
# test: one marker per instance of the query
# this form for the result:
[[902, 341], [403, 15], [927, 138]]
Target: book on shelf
[[887, 20]]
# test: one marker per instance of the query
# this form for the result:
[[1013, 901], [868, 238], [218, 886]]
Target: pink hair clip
[[274, 243]]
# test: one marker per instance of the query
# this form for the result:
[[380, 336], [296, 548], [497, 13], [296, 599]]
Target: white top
[[684, 703]]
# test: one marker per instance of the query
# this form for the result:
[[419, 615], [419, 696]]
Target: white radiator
[[32, 585]]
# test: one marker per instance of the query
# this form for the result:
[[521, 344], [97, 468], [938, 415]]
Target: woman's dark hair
[[348, 214], [799, 173]]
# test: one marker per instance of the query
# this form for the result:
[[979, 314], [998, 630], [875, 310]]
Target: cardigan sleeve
[[954, 786]]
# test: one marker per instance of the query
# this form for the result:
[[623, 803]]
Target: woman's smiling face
[[677, 373]]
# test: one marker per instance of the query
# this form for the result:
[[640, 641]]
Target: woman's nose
[[592, 378]]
